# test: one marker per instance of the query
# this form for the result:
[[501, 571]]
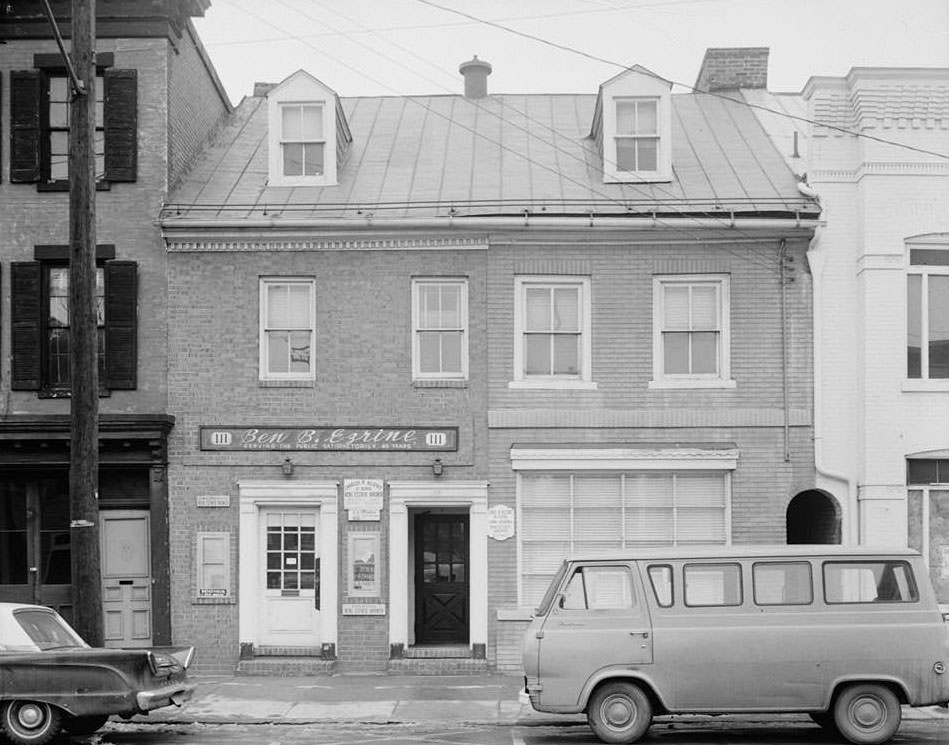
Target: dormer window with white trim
[[632, 126], [307, 132]]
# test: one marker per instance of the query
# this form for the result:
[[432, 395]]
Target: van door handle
[[644, 634]]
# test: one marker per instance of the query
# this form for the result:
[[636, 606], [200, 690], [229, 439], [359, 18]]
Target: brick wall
[[735, 67]]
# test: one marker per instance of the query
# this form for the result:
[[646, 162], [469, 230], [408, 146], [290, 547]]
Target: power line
[[595, 58]]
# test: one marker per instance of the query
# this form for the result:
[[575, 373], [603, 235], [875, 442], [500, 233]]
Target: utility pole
[[84, 342]]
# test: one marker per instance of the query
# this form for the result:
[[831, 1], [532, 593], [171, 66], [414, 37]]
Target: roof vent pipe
[[476, 73]]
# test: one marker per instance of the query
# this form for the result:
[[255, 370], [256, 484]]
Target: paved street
[[667, 732]]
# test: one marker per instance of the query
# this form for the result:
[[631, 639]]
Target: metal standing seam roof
[[428, 156]]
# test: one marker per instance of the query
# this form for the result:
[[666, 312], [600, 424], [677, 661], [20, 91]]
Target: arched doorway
[[813, 517]]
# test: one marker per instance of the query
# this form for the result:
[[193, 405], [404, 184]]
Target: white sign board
[[500, 522], [362, 498]]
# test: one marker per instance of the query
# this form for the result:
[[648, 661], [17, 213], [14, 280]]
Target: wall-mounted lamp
[[437, 467], [287, 467]]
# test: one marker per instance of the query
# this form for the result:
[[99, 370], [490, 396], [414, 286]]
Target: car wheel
[[619, 712], [867, 714], [30, 722], [84, 725]]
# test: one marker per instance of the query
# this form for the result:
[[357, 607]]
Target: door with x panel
[[441, 579]]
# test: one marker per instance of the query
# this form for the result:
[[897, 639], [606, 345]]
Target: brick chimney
[[733, 67], [476, 73]]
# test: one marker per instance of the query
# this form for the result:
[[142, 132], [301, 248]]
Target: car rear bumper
[[169, 695]]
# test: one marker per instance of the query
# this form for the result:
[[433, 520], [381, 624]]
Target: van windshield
[[541, 610]]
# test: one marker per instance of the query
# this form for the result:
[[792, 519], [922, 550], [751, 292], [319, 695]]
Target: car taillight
[[162, 665]]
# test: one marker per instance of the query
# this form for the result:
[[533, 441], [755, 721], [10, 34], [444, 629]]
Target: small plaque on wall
[[373, 609], [213, 500], [500, 522]]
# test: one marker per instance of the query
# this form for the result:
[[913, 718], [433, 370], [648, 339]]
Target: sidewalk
[[488, 698]]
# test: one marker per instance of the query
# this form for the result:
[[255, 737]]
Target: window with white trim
[[439, 329], [302, 143], [562, 513], [637, 134], [927, 313], [691, 331], [287, 328], [552, 334], [213, 565]]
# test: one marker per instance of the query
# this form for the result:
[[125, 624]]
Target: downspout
[[783, 280], [851, 533]]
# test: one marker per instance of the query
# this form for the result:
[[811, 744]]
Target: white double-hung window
[[691, 331], [439, 329], [927, 313], [287, 328], [302, 142], [552, 330], [637, 134]]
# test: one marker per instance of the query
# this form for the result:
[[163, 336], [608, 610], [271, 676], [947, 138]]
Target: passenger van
[[844, 634]]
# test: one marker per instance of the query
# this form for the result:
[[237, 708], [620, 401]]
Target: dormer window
[[632, 127], [307, 132], [301, 139], [637, 134]]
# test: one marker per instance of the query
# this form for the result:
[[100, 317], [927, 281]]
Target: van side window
[[660, 576], [782, 583], [712, 584], [599, 588], [869, 582]]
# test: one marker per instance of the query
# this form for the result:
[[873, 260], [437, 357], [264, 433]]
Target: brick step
[[435, 652], [437, 666], [284, 665]]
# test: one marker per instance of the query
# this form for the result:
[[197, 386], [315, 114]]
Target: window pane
[[450, 306], [647, 118], [278, 352], [704, 307], [869, 582], [428, 344], [566, 354], [58, 114], [675, 307], [675, 348], [292, 128], [704, 353], [451, 351], [566, 309], [625, 117], [278, 306], [537, 354], [625, 154], [292, 159], [914, 283], [938, 326], [538, 309], [648, 154], [299, 311], [312, 123], [428, 306], [785, 583], [661, 578], [299, 351], [314, 159], [712, 584]]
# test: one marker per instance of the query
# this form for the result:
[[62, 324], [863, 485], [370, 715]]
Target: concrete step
[[286, 665]]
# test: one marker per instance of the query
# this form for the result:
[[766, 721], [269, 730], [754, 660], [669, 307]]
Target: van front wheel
[[867, 714], [619, 712]]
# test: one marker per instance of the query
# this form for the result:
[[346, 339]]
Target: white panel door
[[124, 537], [290, 568]]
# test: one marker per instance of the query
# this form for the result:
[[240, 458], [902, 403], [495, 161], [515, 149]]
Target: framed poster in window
[[363, 565]]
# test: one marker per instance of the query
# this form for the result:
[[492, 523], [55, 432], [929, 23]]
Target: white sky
[[386, 47]]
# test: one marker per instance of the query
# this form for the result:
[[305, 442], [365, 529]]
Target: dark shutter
[[121, 124], [24, 126], [121, 324], [26, 279]]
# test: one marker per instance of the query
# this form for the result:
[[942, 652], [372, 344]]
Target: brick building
[[160, 100], [422, 347]]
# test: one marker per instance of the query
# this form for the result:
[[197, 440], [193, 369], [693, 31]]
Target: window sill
[[553, 385], [49, 393], [308, 383], [920, 385], [445, 383], [64, 186], [691, 384]]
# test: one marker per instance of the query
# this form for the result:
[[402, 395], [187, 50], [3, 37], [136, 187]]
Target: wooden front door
[[125, 542], [441, 579]]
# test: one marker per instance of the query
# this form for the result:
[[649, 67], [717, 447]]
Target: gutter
[[525, 222]]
